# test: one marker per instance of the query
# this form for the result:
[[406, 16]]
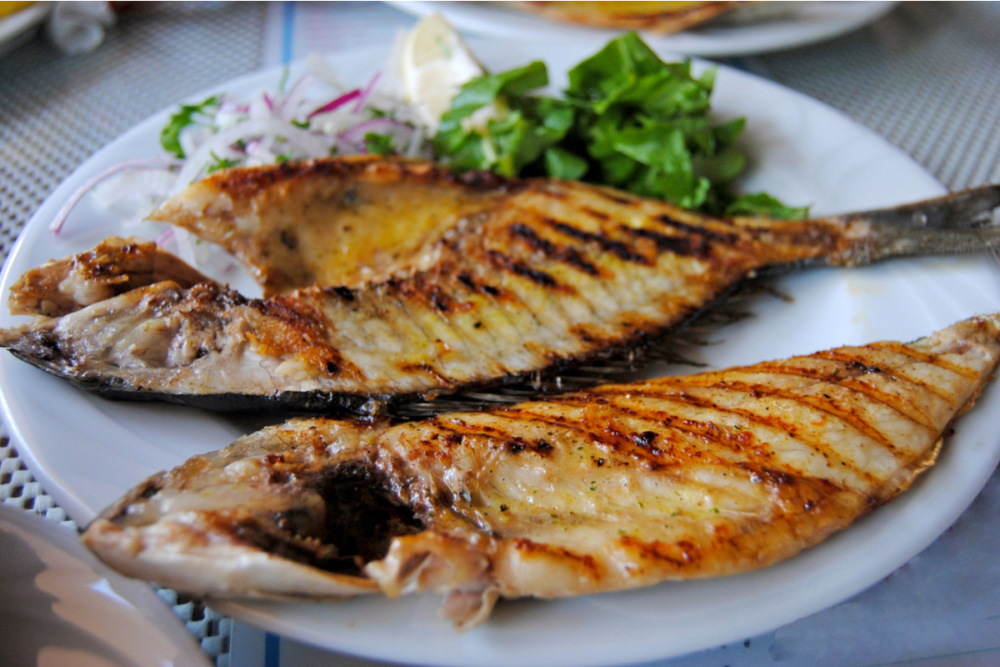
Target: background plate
[[88, 451], [61, 606], [809, 22]]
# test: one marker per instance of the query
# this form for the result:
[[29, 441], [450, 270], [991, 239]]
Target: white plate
[[62, 607], [809, 22], [88, 451]]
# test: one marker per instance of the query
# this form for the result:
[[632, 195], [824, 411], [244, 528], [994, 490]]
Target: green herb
[[170, 134], [380, 144], [220, 163], [764, 204], [627, 119], [518, 137]]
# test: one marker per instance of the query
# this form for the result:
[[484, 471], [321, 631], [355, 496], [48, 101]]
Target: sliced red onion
[[154, 163], [366, 93], [132, 185], [164, 238], [227, 104], [291, 101], [184, 242], [261, 152], [243, 148], [336, 103], [305, 144], [400, 132]]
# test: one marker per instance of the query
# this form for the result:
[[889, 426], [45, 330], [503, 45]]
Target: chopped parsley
[[220, 163], [379, 144], [171, 132]]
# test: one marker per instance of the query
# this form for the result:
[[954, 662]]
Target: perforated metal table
[[926, 76]]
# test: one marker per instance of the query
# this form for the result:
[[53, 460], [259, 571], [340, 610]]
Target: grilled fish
[[361, 219], [549, 274], [616, 487]]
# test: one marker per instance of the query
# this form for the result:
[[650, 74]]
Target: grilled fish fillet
[[613, 488], [547, 274]]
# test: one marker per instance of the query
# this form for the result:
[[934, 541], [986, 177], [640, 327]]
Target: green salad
[[627, 119]]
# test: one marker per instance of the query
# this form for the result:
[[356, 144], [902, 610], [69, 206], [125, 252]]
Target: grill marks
[[715, 413], [568, 255], [703, 421], [575, 275], [509, 441], [694, 246], [547, 267], [619, 249], [699, 232], [507, 263]]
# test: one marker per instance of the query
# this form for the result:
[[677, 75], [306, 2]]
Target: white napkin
[[79, 27]]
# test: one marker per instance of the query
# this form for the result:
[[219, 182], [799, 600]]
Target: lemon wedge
[[434, 63]]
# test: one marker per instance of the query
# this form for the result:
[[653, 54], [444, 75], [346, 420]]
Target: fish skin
[[613, 488]]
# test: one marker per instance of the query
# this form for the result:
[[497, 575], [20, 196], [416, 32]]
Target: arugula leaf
[[482, 90], [615, 74], [560, 163], [494, 124], [380, 144], [761, 203], [171, 132]]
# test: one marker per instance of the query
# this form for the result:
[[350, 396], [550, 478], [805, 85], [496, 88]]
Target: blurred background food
[[8, 8], [662, 17], [658, 17]]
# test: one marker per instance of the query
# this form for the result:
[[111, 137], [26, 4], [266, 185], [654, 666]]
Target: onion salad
[[315, 115]]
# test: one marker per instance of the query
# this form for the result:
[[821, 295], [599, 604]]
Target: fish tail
[[961, 222]]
